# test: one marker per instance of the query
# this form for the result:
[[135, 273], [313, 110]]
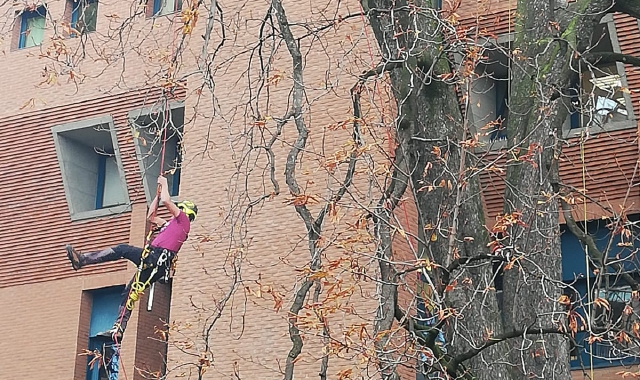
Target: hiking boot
[[74, 257], [114, 333]]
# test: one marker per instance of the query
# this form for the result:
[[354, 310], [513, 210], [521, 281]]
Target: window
[[149, 129], [91, 169], [84, 15], [489, 93], [104, 311], [618, 298], [604, 284], [597, 98], [165, 7], [607, 352], [32, 25]]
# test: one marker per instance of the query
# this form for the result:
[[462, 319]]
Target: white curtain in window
[[35, 31], [169, 6]]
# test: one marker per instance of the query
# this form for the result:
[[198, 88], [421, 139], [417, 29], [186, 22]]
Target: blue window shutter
[[156, 6], [104, 309], [575, 120]]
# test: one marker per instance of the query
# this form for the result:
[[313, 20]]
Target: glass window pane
[[34, 31], [606, 102], [87, 17], [169, 6]]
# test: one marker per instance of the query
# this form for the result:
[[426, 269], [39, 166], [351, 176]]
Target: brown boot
[[74, 257]]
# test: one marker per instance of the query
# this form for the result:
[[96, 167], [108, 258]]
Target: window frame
[[568, 131], [495, 140], [76, 6], [580, 355], [491, 144], [74, 213], [104, 309], [26, 15], [157, 7], [133, 116]]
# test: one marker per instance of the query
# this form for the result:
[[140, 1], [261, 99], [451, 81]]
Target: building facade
[[85, 138]]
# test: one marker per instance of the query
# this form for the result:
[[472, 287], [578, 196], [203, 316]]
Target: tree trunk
[[428, 133], [544, 54]]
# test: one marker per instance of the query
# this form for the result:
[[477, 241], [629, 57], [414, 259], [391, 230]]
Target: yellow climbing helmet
[[188, 208]]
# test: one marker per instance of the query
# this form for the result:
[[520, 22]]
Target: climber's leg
[[129, 252]]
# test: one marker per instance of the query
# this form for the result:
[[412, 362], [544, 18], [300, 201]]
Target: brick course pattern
[[48, 307]]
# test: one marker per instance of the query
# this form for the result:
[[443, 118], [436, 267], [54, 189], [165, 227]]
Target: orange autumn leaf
[[564, 300], [301, 200], [636, 329], [593, 338], [601, 302], [451, 286], [622, 337]]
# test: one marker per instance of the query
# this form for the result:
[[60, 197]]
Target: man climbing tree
[[154, 261]]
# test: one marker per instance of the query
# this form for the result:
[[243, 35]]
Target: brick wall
[[84, 322], [151, 347], [37, 273], [250, 338]]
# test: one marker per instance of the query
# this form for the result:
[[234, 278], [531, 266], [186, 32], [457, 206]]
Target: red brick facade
[[45, 303]]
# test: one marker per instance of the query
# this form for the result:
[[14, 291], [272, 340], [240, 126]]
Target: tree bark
[[546, 42], [428, 134]]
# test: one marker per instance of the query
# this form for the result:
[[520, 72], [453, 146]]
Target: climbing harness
[[166, 261]]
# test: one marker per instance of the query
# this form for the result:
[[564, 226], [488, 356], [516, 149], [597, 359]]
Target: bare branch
[[612, 57], [595, 253]]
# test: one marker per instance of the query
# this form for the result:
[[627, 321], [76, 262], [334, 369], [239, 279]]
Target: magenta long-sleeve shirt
[[173, 233]]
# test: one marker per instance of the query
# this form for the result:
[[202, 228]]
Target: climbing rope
[[583, 138], [137, 287]]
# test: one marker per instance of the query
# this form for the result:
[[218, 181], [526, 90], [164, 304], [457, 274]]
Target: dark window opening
[[502, 110], [159, 142], [84, 16], [489, 97]]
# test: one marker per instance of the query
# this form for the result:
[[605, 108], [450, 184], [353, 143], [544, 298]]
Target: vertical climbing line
[[586, 248], [509, 75], [583, 138], [135, 290]]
